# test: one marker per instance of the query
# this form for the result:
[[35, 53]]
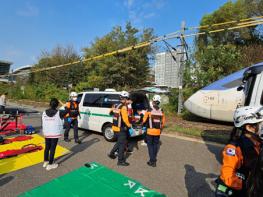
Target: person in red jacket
[[241, 153]]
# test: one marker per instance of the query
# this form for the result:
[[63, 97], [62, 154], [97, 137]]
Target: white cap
[[124, 94], [73, 94], [157, 98]]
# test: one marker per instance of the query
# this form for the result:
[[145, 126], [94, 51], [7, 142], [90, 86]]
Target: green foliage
[[172, 106], [129, 69], [41, 92], [218, 61], [219, 54], [63, 76]]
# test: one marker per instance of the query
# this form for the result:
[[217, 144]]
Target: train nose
[[195, 105]]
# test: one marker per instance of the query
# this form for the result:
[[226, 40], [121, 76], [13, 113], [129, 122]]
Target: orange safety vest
[[73, 109], [155, 121], [119, 119], [116, 123]]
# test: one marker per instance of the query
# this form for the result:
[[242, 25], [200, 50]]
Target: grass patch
[[215, 136]]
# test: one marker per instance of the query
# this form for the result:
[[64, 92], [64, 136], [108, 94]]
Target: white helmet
[[73, 94], [124, 94], [157, 98], [248, 115]]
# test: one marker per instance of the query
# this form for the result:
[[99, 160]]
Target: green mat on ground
[[95, 180]]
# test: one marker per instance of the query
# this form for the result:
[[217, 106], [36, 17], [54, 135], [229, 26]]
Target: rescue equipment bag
[[16, 139], [15, 152]]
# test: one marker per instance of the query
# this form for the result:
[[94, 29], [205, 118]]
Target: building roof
[[4, 67], [22, 69]]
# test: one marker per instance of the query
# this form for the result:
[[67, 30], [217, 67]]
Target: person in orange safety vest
[[71, 117], [241, 153], [154, 120], [120, 126]]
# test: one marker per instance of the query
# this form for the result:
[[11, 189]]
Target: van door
[[100, 114], [84, 111], [95, 110], [89, 102]]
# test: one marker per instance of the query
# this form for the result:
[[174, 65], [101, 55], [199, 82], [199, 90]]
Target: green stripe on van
[[95, 114]]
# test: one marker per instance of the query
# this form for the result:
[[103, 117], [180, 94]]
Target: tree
[[219, 54], [124, 70], [63, 76]]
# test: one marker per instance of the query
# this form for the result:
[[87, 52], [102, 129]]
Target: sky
[[29, 27]]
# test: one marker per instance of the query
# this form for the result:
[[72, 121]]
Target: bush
[[36, 92], [172, 106]]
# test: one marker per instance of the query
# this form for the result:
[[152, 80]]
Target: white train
[[219, 100]]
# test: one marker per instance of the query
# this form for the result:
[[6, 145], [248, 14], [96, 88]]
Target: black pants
[[120, 144], [2, 109], [67, 124], [50, 149], [130, 144], [152, 144]]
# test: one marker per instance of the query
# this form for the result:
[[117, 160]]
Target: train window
[[249, 89], [261, 100], [233, 84]]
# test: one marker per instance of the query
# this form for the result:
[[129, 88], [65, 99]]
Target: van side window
[[109, 100], [92, 100], [261, 100]]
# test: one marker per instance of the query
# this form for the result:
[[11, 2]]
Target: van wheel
[[108, 133]]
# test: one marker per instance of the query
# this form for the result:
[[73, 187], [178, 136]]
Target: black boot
[[111, 156], [123, 163], [77, 141]]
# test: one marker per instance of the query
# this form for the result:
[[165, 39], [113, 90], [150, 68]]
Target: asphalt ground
[[184, 168]]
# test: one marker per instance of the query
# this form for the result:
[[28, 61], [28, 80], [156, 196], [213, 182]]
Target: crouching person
[[52, 130]]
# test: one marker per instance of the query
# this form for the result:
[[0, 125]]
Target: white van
[[95, 108]]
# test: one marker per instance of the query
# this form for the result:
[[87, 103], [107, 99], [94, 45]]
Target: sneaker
[[67, 140], [111, 156], [143, 143], [52, 166], [129, 151], [152, 164], [45, 164], [77, 141], [123, 163]]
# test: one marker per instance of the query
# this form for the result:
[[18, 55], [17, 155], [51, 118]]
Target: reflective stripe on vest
[[155, 119], [73, 109], [52, 126], [117, 116]]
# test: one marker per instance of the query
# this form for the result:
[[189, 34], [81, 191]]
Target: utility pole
[[181, 68]]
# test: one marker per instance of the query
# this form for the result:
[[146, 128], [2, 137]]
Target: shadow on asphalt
[[213, 148], [77, 149], [198, 181], [216, 151], [5, 180]]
